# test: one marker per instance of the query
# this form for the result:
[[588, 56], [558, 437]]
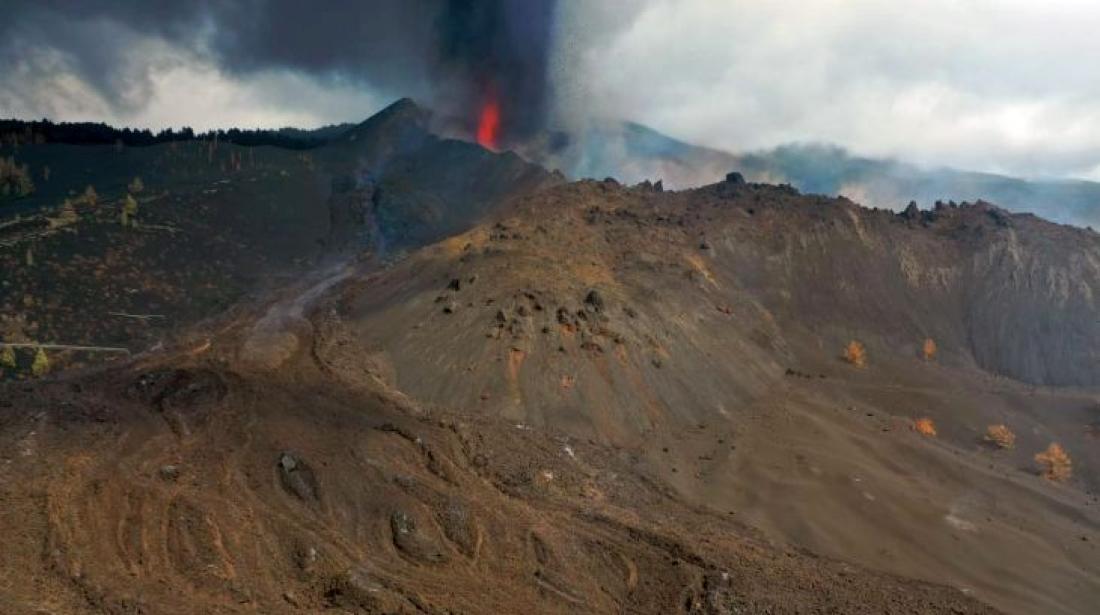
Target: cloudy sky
[[1006, 85]]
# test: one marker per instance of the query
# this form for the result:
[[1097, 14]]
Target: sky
[[1005, 86]]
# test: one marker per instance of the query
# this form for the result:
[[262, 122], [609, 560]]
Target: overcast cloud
[[1006, 86]]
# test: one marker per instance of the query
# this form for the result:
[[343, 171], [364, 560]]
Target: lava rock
[[459, 527], [594, 300], [411, 541], [297, 478]]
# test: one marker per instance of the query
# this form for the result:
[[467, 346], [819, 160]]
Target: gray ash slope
[[702, 331]]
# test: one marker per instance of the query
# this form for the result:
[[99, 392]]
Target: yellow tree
[[41, 365], [90, 197], [7, 358], [66, 216], [129, 211]]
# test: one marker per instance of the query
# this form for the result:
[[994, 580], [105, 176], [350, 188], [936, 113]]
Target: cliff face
[[681, 303], [1010, 293]]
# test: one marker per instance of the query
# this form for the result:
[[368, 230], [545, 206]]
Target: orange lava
[[488, 126]]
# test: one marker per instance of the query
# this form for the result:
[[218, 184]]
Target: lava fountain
[[488, 125]]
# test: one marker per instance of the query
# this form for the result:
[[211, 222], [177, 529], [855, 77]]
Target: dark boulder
[[412, 542], [594, 300], [297, 477]]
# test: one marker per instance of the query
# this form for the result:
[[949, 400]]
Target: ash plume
[[450, 54]]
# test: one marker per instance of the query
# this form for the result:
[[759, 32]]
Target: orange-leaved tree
[[855, 354], [929, 349], [1056, 463], [1001, 436], [925, 427]]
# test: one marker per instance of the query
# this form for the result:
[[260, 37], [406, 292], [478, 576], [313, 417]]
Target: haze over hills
[[404, 373], [632, 153]]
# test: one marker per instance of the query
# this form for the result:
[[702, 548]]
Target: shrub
[[7, 358], [129, 211], [1001, 436], [41, 365], [136, 186], [925, 427], [66, 215], [855, 354], [15, 180], [90, 197], [1056, 463], [929, 349]]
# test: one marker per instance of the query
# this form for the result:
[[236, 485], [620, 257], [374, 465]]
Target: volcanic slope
[[216, 223], [702, 332], [584, 404], [196, 479]]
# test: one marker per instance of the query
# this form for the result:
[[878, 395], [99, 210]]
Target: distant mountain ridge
[[631, 153]]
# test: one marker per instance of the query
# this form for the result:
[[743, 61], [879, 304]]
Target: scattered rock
[[459, 527], [297, 477], [594, 300], [411, 541], [169, 472], [178, 387]]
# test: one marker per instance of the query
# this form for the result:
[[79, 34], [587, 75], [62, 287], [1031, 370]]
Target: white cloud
[[998, 85]]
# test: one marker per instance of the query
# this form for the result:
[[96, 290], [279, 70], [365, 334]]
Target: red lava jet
[[488, 125]]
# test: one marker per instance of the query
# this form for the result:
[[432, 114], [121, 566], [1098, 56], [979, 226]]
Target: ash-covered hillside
[[120, 247], [396, 370]]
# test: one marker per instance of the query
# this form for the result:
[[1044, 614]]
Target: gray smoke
[[449, 54]]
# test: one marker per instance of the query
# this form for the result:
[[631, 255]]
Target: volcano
[[401, 373]]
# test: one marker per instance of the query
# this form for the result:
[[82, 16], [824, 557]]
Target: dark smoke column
[[497, 53]]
